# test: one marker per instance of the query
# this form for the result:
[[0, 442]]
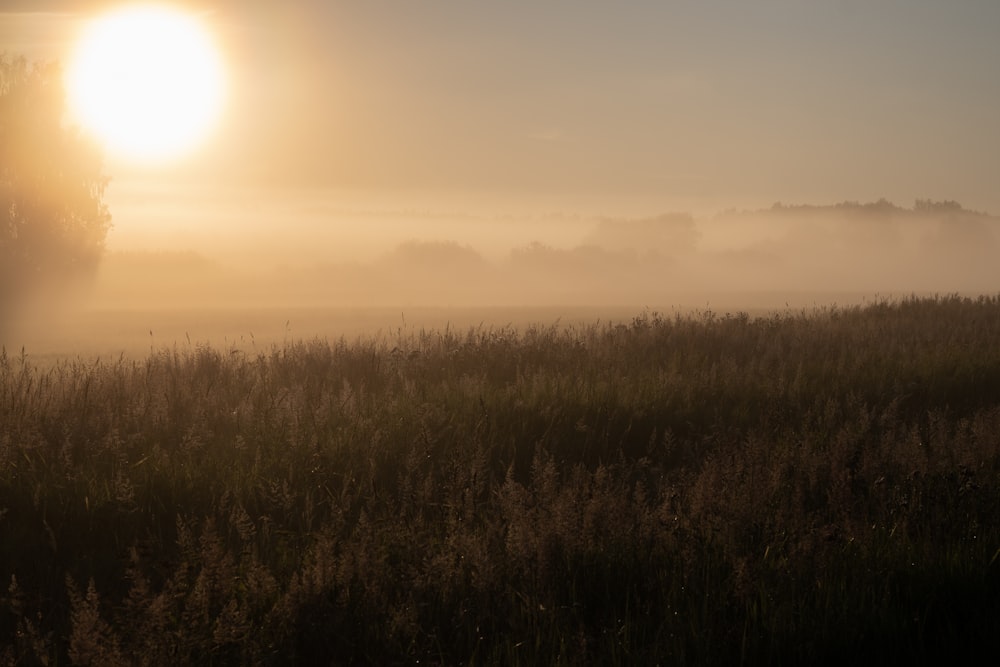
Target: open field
[[805, 487], [135, 332], [108, 332]]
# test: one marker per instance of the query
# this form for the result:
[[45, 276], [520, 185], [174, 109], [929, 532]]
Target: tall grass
[[807, 487]]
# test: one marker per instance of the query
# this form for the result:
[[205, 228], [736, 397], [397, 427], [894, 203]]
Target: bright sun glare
[[147, 81]]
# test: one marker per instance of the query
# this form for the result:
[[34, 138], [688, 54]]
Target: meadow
[[805, 487]]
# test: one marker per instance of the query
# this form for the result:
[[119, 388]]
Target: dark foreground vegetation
[[804, 488]]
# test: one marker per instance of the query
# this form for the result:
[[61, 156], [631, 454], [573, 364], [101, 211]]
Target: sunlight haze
[[146, 81], [499, 332], [646, 154]]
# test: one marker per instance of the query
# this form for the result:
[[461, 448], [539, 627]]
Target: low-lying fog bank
[[582, 269], [673, 258]]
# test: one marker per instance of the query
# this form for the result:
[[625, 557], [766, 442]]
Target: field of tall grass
[[801, 488]]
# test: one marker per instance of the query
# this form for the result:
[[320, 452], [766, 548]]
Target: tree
[[53, 219]]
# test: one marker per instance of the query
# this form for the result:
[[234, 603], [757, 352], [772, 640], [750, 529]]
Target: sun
[[147, 81]]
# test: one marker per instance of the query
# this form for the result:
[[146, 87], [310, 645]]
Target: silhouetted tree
[[53, 219]]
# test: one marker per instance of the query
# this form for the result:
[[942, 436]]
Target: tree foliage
[[53, 219]]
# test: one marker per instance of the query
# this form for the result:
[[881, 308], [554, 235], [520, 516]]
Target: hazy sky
[[583, 104]]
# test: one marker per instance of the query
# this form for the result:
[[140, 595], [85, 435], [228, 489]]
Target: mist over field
[[580, 161], [365, 272], [499, 333], [733, 258]]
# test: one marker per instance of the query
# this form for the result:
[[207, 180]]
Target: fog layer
[[412, 258]]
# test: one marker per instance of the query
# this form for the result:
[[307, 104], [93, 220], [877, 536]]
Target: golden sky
[[571, 106], [562, 153]]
